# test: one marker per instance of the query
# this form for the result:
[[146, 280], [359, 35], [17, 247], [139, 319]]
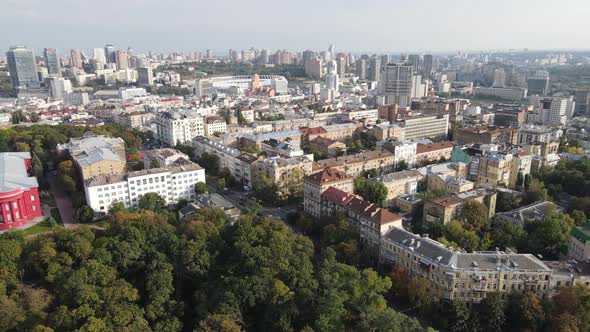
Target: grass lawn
[[39, 228]]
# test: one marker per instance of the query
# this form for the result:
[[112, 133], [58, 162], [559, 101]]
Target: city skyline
[[150, 25]]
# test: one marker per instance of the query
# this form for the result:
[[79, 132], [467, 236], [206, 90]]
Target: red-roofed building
[[314, 185], [371, 220], [309, 133]]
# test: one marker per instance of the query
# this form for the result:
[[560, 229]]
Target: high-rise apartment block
[[396, 84], [21, 66]]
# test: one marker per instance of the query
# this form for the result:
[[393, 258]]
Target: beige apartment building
[[448, 183], [495, 169], [398, 183], [432, 153], [96, 155], [469, 277], [381, 160], [284, 172], [444, 210]]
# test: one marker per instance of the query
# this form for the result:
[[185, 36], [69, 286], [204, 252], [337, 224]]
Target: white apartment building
[[172, 183], [130, 93], [396, 84], [370, 116], [174, 127], [550, 111], [429, 126], [538, 134], [214, 124], [403, 151]]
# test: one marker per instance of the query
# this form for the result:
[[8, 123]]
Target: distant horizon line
[[217, 52]]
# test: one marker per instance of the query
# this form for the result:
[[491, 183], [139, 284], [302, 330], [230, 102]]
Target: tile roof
[[312, 131], [328, 175], [337, 196], [425, 148]]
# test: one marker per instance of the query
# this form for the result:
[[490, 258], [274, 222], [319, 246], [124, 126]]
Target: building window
[[32, 198]]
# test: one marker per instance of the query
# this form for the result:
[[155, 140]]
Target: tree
[[546, 237], [375, 192], [152, 202], [492, 312], [221, 183], [525, 311], [579, 217], [536, 192], [457, 236], [85, 214], [460, 317], [117, 206], [210, 162], [218, 323], [401, 166], [200, 188], [474, 216], [154, 164], [69, 184]]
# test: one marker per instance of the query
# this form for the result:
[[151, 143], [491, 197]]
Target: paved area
[[64, 204]]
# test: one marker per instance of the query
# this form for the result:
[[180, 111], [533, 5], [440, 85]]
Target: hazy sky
[[370, 25]]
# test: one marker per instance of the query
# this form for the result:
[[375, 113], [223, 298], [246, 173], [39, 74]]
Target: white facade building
[[215, 124], [429, 126], [173, 128], [171, 183]]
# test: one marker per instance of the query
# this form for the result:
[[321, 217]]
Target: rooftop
[[323, 141], [425, 148], [179, 166], [328, 175], [435, 252], [13, 172], [354, 158]]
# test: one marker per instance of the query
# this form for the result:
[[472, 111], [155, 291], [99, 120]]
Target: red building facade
[[19, 190]]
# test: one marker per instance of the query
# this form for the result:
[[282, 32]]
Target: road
[[240, 199], [64, 204]]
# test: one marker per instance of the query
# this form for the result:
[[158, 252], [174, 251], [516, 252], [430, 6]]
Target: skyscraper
[[313, 67], [76, 58], [52, 62], [396, 84], [21, 66], [499, 78], [109, 53], [427, 65], [539, 83], [307, 54], [414, 60], [99, 58], [341, 63], [122, 60], [361, 69], [145, 75], [375, 69], [332, 79], [332, 51]]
